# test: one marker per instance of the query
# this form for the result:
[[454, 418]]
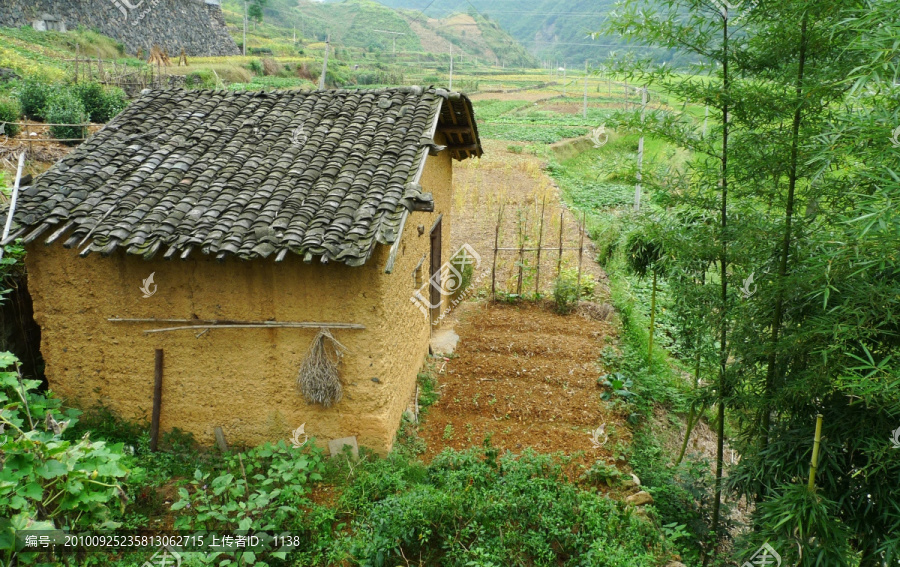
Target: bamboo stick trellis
[[522, 249]]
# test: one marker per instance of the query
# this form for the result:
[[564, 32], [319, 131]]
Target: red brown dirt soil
[[525, 377], [522, 374]]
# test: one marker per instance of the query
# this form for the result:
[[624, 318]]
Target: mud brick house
[[226, 229]]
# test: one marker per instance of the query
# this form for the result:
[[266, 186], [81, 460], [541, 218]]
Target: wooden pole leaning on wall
[[157, 399]]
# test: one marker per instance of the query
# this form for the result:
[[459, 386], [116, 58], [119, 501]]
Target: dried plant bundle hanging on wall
[[320, 379]]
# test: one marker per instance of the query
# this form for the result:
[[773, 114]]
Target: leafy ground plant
[[47, 482], [264, 489]]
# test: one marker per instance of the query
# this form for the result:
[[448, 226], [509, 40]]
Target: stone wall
[[194, 25]]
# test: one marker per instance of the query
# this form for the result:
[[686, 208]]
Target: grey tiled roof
[[253, 174]]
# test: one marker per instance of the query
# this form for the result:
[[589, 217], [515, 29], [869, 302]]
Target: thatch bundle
[[320, 379]]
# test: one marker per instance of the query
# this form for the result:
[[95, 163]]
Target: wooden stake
[[815, 456], [157, 400], [537, 277], [559, 261], [580, 255], [496, 245], [523, 228]]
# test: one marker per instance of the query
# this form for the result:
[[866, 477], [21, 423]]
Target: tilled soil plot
[[525, 377]]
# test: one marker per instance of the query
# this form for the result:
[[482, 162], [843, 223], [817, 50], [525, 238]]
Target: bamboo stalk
[[652, 319], [815, 456]]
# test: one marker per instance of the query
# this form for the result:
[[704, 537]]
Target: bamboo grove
[[779, 244]]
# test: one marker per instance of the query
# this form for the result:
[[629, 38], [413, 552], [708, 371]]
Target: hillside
[[551, 30], [361, 25]]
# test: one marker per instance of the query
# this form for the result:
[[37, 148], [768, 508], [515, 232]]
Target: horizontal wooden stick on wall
[[229, 324]]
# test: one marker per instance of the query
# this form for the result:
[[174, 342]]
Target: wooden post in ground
[[559, 261], [157, 400], [537, 278], [496, 245], [580, 255], [523, 236]]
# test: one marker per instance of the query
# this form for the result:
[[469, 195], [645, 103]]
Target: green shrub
[[10, 112], [602, 473], [33, 97], [474, 508], [101, 104], [565, 290], [64, 107], [200, 79], [256, 66], [49, 482]]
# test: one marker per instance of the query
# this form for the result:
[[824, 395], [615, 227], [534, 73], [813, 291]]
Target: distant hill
[[361, 24], [551, 30]]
